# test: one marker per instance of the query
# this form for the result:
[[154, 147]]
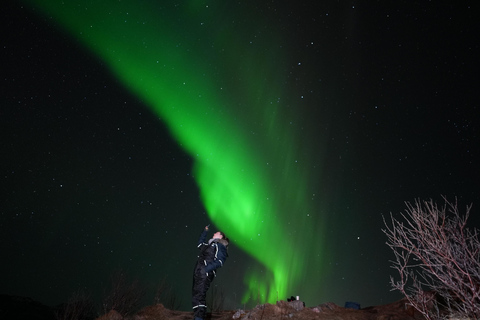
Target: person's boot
[[200, 313]]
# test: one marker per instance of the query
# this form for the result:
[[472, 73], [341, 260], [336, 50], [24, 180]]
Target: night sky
[[292, 126]]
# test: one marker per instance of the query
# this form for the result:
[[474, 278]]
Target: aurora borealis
[[298, 124], [245, 190]]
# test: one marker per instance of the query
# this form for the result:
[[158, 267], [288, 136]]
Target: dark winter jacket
[[213, 253]]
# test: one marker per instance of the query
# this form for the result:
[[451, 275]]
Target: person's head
[[221, 235]]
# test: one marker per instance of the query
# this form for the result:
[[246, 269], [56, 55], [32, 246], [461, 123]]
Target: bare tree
[[438, 259], [124, 296]]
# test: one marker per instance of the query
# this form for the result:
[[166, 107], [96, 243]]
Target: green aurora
[[215, 75]]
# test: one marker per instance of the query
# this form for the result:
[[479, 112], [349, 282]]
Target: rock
[[297, 305], [326, 306], [238, 314]]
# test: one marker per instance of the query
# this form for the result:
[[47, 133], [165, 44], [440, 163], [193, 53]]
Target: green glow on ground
[[212, 74]]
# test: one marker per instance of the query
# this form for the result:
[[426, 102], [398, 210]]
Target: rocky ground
[[281, 310], [21, 308]]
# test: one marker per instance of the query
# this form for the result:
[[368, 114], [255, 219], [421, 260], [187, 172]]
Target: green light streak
[[220, 94]]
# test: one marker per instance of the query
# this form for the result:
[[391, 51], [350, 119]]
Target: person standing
[[213, 254]]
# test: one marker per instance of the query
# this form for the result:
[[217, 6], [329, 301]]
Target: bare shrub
[[124, 295], [438, 259], [216, 299], [80, 306], [166, 295]]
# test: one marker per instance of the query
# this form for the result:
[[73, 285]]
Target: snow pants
[[201, 283]]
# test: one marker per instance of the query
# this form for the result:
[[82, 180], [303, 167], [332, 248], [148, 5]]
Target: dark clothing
[[212, 256]]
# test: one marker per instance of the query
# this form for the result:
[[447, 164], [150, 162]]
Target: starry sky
[[127, 126]]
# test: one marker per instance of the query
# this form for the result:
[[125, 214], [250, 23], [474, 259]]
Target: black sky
[[92, 182]]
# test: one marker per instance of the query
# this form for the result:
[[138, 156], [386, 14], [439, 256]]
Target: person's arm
[[220, 261], [203, 237]]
